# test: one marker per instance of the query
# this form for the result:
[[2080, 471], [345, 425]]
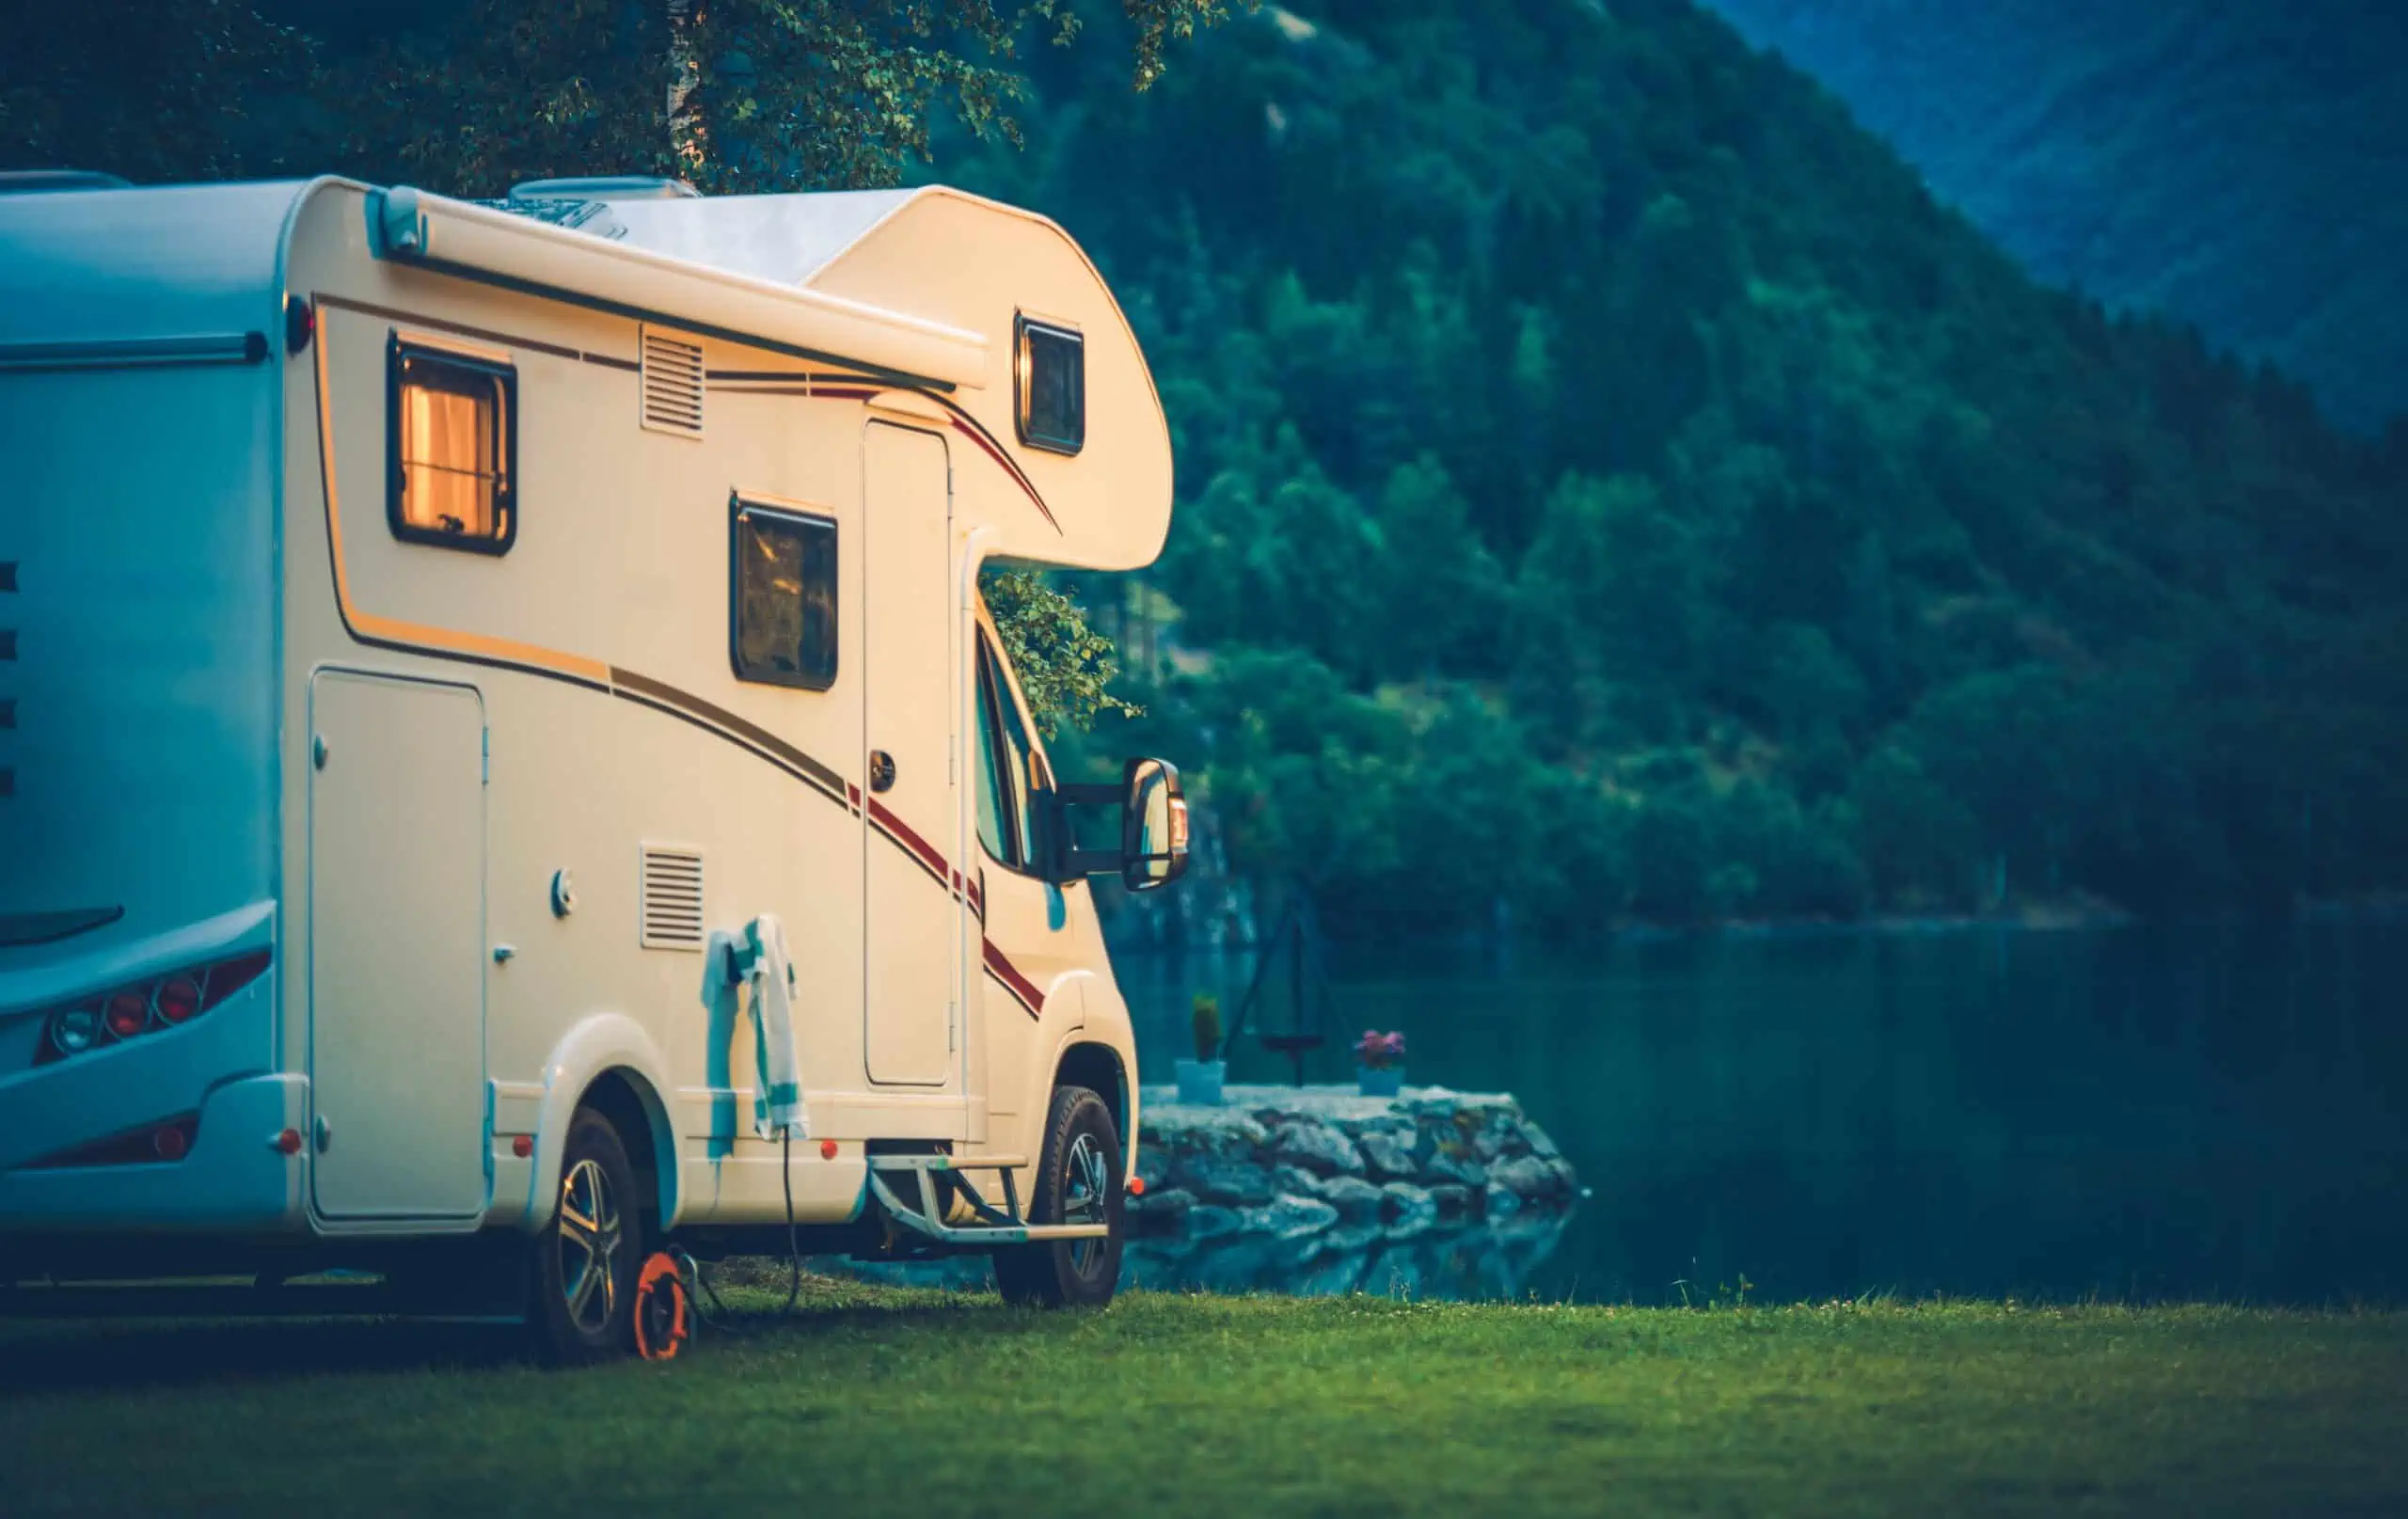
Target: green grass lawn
[[879, 1401]]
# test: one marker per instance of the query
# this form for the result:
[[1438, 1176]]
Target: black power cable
[[717, 1316]]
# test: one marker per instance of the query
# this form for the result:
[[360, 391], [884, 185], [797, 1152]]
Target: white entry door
[[913, 923], [397, 952]]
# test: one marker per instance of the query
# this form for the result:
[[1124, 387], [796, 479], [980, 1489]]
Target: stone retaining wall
[[1287, 1161], [1316, 1190]]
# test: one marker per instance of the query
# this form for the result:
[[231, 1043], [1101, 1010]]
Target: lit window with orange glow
[[452, 450]]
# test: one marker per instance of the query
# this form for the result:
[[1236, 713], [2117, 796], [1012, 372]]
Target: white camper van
[[502, 759]]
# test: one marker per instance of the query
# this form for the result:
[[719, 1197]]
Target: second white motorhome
[[450, 655]]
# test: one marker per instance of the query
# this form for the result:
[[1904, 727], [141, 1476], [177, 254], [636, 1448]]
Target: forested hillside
[[1611, 487], [2238, 162]]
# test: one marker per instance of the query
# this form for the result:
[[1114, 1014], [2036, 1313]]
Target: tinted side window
[[994, 796], [1014, 768], [784, 593], [1051, 369]]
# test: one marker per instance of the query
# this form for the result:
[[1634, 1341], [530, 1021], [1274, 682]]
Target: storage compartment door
[[397, 951]]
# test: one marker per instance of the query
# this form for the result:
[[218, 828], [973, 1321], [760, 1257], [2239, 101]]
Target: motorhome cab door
[[911, 919]]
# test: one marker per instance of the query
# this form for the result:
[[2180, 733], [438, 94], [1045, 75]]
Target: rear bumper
[[233, 1181], [220, 1068]]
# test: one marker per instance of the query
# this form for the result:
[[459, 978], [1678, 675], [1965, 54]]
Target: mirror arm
[[1066, 861], [1077, 865]]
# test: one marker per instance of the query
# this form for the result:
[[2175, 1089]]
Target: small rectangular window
[[784, 597], [1051, 369], [451, 432]]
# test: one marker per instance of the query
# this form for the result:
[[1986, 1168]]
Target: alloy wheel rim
[[590, 1242], [1087, 1183]]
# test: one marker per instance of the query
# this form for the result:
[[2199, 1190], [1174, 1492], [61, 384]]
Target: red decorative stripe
[[901, 834], [963, 421], [1022, 990]]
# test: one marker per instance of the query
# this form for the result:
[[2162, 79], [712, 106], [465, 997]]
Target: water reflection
[[1483, 1261], [2139, 1113]]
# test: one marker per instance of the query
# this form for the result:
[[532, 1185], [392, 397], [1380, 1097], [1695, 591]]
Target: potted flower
[[1199, 1079], [1379, 1063]]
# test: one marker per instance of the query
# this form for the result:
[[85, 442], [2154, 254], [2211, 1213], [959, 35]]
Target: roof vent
[[605, 188], [672, 383], [670, 904]]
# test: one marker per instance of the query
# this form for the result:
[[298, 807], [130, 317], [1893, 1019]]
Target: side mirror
[[1153, 826]]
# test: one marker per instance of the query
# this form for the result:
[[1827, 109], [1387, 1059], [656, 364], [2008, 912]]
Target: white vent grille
[[673, 385], [671, 903]]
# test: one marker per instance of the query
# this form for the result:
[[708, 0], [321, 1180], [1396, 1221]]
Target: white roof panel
[[785, 239]]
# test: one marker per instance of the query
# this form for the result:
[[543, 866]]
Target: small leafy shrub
[[1204, 1023]]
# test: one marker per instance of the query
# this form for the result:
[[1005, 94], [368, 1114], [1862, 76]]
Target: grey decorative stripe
[[126, 352], [48, 927]]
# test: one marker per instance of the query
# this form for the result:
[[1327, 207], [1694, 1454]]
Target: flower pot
[[1379, 1080], [1199, 1080]]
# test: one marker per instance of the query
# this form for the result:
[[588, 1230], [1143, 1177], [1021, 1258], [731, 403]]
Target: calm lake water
[[2185, 1111]]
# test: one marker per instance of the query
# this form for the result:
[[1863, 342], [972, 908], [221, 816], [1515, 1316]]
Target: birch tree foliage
[[734, 95]]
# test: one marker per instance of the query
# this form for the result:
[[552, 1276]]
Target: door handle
[[881, 770]]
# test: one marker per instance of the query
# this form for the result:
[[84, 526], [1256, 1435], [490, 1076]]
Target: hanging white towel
[[755, 956], [779, 1104]]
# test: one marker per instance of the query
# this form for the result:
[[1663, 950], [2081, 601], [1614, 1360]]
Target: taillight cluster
[[162, 1003]]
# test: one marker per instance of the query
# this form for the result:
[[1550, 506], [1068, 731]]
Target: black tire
[[579, 1317], [1081, 1140]]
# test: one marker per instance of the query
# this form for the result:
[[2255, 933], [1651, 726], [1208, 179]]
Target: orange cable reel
[[661, 1323]]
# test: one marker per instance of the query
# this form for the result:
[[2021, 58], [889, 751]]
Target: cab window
[[1012, 773]]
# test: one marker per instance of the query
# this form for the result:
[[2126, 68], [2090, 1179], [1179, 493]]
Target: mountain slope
[[2238, 163], [1612, 486]]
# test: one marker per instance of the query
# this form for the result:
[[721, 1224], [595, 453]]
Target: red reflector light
[[226, 977], [289, 1142], [168, 1140], [1136, 1186], [179, 999], [827, 1150], [523, 1145], [127, 1013]]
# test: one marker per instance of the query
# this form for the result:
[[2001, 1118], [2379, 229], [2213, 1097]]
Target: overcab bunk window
[[451, 427], [1050, 372], [783, 597]]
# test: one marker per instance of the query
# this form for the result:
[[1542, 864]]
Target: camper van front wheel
[[583, 1277], [1078, 1181]]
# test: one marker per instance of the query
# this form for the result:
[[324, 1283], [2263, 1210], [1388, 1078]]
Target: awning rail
[[417, 227]]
